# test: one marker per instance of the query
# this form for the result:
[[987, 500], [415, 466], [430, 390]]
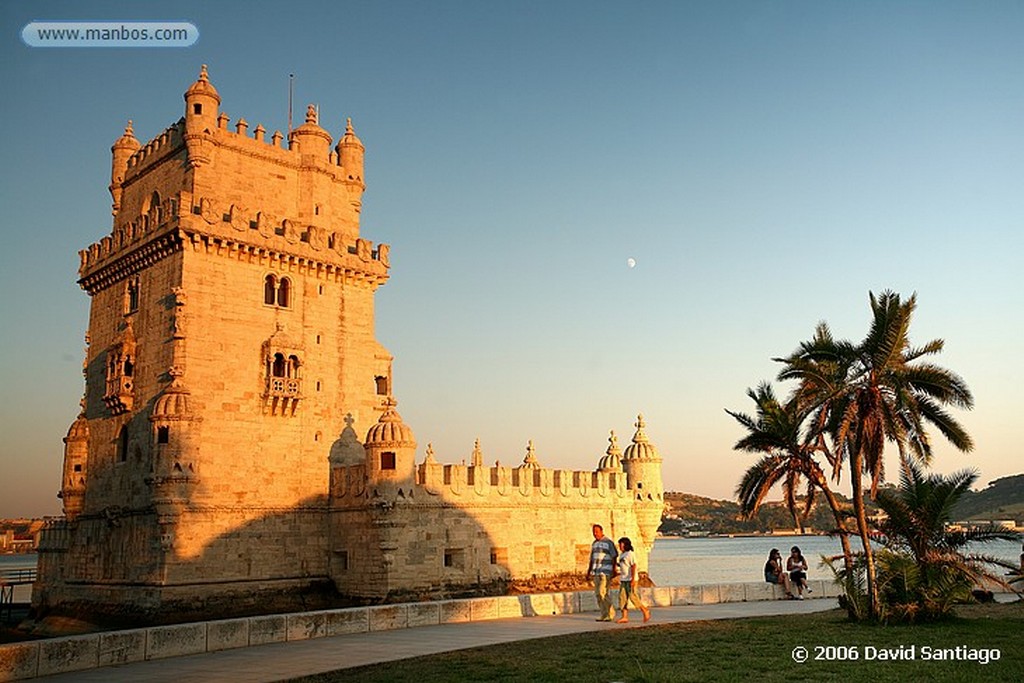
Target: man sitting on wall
[[602, 567]]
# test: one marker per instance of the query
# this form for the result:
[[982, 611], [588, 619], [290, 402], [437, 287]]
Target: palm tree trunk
[[844, 535], [856, 472]]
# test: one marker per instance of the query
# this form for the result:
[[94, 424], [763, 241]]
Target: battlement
[[465, 483], [168, 143], [255, 233]]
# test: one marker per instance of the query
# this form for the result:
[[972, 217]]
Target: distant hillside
[[1001, 499], [688, 513]]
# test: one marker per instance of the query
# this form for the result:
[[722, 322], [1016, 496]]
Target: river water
[[688, 561], [693, 561]]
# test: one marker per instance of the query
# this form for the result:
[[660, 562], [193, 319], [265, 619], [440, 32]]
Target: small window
[[270, 290], [128, 367], [454, 558], [382, 385], [197, 109], [318, 385], [122, 444], [131, 296], [387, 461], [78, 468], [284, 293], [163, 435], [278, 369]]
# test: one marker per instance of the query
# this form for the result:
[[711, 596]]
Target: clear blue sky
[[766, 164]]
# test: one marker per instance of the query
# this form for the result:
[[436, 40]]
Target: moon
[[631, 262]]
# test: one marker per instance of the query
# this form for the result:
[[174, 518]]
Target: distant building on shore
[[239, 448]]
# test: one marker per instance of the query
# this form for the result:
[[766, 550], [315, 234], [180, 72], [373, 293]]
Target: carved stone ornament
[[208, 211], [265, 224], [291, 231], [239, 217], [317, 238]]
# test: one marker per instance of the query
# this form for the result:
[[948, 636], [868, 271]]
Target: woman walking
[[627, 582]]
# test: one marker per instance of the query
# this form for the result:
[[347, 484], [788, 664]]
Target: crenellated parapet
[[239, 232], [476, 484], [162, 147], [184, 187]]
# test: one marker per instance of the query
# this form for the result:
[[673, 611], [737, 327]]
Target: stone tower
[[231, 331], [642, 465]]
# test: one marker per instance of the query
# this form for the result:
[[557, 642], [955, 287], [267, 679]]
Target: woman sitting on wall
[[773, 571]]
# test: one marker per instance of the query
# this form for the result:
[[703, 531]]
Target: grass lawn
[[751, 650]]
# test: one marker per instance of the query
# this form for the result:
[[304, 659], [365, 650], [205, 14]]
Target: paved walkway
[[280, 661]]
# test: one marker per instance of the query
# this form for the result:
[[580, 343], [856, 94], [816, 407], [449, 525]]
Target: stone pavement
[[280, 661]]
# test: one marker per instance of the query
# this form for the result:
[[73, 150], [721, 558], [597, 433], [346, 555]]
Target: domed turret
[[311, 138], [641, 448], [176, 442], [350, 155], [530, 461], [173, 404], [612, 460], [642, 465], [121, 151], [201, 103], [390, 430], [390, 447], [76, 457]]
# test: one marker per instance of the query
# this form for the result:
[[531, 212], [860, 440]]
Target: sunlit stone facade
[[238, 447]]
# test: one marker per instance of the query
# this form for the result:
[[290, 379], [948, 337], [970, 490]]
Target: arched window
[[128, 367], [284, 293], [270, 290], [131, 296], [278, 369], [155, 209], [293, 366]]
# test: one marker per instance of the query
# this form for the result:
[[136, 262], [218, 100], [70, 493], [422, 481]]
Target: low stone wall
[[75, 653]]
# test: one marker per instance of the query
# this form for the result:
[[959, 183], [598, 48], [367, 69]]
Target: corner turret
[[76, 458], [310, 138], [350, 156], [121, 152], [390, 451], [642, 465], [201, 103]]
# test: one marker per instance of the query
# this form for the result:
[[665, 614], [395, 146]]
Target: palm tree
[[917, 514], [788, 459], [876, 392]]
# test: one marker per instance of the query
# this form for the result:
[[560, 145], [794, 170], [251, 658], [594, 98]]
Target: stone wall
[[58, 655]]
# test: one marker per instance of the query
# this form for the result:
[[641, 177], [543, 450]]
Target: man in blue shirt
[[602, 567]]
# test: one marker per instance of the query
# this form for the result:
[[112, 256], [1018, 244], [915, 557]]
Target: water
[[27, 561], [694, 561], [688, 561]]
